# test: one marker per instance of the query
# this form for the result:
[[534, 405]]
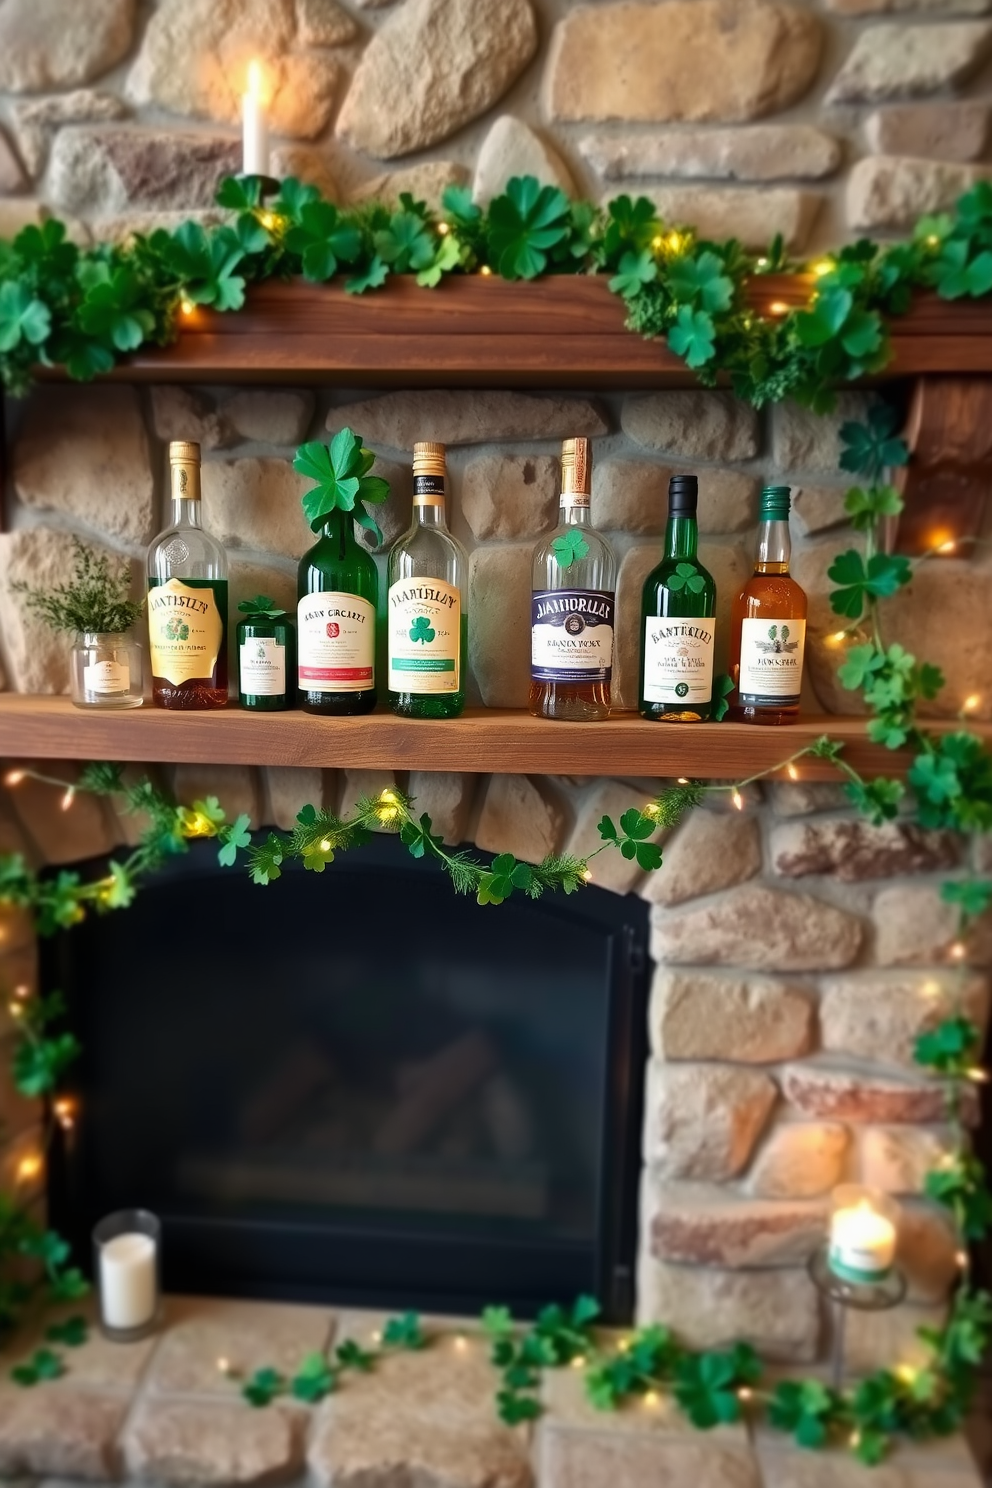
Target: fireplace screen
[[359, 1087]]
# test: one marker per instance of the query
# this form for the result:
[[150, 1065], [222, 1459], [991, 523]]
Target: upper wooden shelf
[[481, 740], [563, 331]]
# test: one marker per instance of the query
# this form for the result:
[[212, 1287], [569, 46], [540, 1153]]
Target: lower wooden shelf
[[483, 739]]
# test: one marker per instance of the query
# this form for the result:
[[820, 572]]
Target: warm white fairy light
[[971, 702], [978, 1076], [15, 1009], [683, 780], [186, 306], [29, 1167], [486, 271], [23, 992], [65, 1113], [652, 809], [587, 874], [623, 1345], [68, 798], [223, 1366], [444, 229], [579, 1362], [778, 307], [377, 1337], [958, 951], [791, 771], [738, 800], [961, 1260], [744, 1393], [652, 1400], [461, 1343], [325, 844], [14, 777], [824, 266], [761, 263]]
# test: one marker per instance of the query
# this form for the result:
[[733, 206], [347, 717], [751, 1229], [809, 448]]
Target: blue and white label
[[571, 635]]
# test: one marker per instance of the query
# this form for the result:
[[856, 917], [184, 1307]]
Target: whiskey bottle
[[572, 605], [427, 626], [768, 625], [678, 606], [187, 598], [338, 590], [265, 652]]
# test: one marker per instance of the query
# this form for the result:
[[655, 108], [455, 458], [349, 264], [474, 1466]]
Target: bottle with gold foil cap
[[187, 598], [572, 604], [427, 625]]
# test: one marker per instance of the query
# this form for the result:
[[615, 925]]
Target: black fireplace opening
[[358, 1087]]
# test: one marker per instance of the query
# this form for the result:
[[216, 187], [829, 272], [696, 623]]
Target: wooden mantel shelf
[[563, 331], [481, 740]]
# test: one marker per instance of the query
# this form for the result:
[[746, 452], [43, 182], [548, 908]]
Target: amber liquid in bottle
[[768, 625]]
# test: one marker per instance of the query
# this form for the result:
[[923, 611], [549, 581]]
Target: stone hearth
[[163, 1412]]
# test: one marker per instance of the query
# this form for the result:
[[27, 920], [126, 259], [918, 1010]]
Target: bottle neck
[[430, 514], [681, 535], [339, 528], [574, 508], [774, 546], [184, 477]]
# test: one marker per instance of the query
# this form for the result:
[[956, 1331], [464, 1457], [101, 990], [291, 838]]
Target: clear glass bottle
[[426, 613], [187, 598], [574, 582], [678, 606], [338, 589], [106, 670], [768, 625]]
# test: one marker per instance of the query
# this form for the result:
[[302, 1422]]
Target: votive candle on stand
[[254, 125], [864, 1233], [127, 1250]]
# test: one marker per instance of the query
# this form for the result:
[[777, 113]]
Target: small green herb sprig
[[96, 598]]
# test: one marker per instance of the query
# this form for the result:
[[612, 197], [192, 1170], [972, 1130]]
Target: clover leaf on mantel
[[341, 471]]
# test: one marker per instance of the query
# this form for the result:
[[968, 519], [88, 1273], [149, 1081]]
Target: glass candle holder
[[105, 671], [864, 1234], [127, 1249]]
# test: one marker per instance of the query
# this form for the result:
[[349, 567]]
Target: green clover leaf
[[635, 270], [23, 316], [418, 838], [234, 836], [407, 244], [524, 223], [866, 508], [264, 1386], [265, 859], [702, 282], [314, 1380], [459, 207], [73, 1332], [447, 256], [119, 891], [343, 483], [372, 276], [204, 263], [260, 608], [114, 311], [422, 630], [631, 226], [351, 1355], [569, 547], [723, 686], [871, 447], [881, 577], [322, 240], [505, 875], [693, 336], [404, 1332], [43, 1365], [686, 576]]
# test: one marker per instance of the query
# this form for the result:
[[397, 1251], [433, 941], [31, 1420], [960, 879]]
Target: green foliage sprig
[[343, 483], [88, 307], [320, 1374], [260, 608], [96, 598]]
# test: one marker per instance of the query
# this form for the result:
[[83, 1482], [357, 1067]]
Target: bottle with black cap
[[678, 627]]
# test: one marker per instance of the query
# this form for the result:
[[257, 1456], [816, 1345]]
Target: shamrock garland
[[87, 308]]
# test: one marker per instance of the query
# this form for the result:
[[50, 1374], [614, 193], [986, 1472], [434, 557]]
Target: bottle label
[[571, 635], [428, 490], [573, 498], [263, 667], [678, 659], [771, 662], [185, 631], [107, 676], [425, 625], [337, 642]]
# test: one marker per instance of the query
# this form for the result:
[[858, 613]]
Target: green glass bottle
[[427, 623], [266, 656], [338, 590], [678, 606]]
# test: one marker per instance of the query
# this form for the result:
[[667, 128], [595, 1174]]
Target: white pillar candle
[[862, 1243], [128, 1281], [255, 128]]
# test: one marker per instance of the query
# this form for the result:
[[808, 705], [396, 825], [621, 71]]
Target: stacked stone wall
[[818, 119]]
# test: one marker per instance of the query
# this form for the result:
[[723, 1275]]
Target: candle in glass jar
[[255, 129], [862, 1243], [128, 1281]]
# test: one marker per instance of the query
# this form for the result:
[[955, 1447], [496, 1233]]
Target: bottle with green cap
[[678, 625], [768, 625]]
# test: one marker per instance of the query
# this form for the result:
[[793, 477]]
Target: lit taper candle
[[255, 126]]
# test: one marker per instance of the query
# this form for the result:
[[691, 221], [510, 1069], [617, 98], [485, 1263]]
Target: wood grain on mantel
[[562, 331], [482, 740]]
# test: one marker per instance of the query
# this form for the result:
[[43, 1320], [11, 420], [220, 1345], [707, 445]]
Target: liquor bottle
[[266, 654], [572, 605], [768, 625], [338, 590], [427, 623], [187, 598], [678, 605]]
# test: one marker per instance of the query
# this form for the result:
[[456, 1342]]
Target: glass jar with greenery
[[95, 607]]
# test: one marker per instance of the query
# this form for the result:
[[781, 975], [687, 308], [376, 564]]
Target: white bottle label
[[337, 642], [571, 635], [425, 625], [771, 662], [107, 676], [263, 667], [678, 659]]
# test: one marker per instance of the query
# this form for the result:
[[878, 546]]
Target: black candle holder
[[863, 1296]]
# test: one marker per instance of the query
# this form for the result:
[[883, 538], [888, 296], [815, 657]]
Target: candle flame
[[256, 81]]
